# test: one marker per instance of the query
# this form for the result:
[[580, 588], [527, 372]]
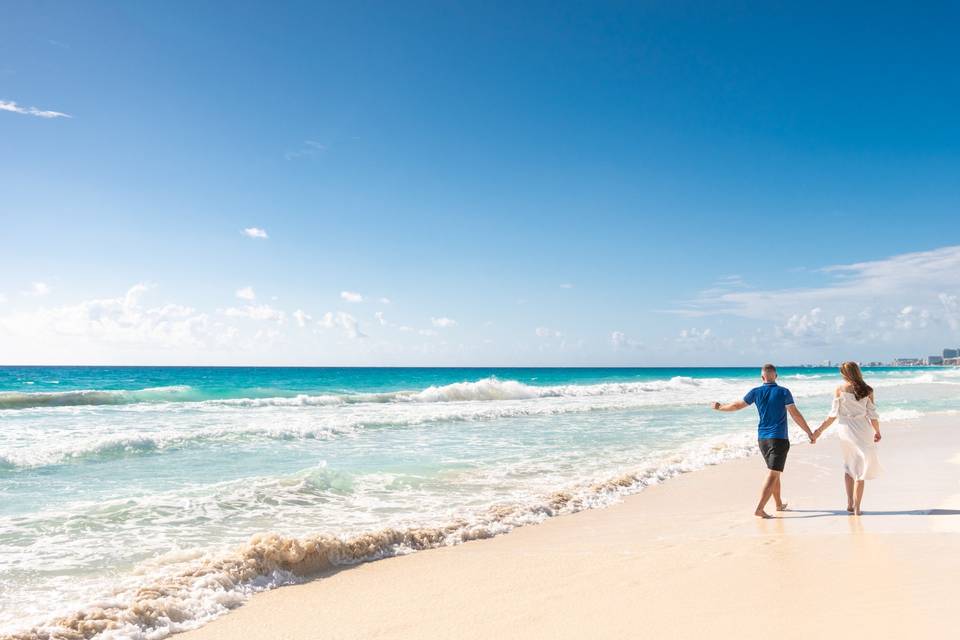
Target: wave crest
[[83, 397], [489, 389], [213, 585]]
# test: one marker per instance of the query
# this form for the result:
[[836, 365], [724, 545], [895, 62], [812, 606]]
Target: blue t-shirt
[[771, 400]]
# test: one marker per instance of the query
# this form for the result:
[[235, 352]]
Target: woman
[[859, 431]]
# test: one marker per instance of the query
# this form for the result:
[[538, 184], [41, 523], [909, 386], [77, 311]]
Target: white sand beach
[[685, 559]]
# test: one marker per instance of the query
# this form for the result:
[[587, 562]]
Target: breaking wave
[[901, 414], [327, 424], [200, 590], [332, 415], [40, 399], [485, 390], [685, 389]]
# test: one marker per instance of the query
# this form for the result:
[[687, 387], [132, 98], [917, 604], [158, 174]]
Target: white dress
[[856, 435]]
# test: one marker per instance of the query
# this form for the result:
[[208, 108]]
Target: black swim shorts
[[774, 452]]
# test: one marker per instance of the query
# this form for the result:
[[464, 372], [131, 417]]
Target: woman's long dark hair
[[852, 374]]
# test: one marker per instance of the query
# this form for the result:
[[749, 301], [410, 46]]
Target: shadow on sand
[[821, 513]]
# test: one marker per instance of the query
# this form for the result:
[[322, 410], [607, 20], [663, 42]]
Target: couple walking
[[859, 431]]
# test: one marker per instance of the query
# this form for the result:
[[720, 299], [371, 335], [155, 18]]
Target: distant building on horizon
[[951, 353], [908, 362], [935, 360]]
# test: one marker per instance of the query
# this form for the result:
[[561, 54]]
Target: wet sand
[[685, 559]]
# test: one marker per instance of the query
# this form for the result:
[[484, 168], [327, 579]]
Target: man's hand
[[813, 437], [733, 406]]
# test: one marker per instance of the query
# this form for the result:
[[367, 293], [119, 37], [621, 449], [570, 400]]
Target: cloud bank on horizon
[[879, 301], [888, 305]]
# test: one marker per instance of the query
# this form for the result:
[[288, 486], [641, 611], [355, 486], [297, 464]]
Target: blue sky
[[551, 183]]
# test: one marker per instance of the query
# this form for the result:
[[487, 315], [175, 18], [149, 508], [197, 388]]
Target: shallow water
[[115, 479]]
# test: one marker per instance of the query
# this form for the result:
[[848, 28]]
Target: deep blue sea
[[161, 497]]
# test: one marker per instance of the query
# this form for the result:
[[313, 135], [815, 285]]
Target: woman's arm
[[875, 423], [823, 427], [833, 414]]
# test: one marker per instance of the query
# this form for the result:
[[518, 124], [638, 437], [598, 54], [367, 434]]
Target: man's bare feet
[[760, 513], [857, 512], [782, 507], [850, 508]]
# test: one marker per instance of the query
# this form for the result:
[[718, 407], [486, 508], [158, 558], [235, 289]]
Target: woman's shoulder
[[840, 389]]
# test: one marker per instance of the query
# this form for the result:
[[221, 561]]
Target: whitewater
[[138, 502]]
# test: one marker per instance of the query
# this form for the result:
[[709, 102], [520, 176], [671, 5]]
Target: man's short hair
[[768, 368]]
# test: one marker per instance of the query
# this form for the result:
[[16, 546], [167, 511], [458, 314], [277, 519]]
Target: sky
[[457, 184]]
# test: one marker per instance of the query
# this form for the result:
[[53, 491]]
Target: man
[[773, 403]]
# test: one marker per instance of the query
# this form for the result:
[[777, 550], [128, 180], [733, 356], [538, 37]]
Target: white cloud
[[256, 232], [309, 148], [266, 336], [443, 322], [379, 316], [951, 308], [343, 320], [37, 289], [13, 107], [122, 320], [427, 332], [384, 300], [907, 300], [302, 318], [351, 296], [246, 293], [911, 318], [566, 285], [619, 340], [801, 325], [545, 332], [3, 298], [922, 275], [257, 312], [695, 335]]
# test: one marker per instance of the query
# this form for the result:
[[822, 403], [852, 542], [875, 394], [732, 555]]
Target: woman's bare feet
[[850, 508], [760, 513], [782, 506], [857, 511]]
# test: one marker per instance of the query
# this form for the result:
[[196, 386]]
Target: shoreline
[[399, 597]]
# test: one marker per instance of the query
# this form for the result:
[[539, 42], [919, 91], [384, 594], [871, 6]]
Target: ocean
[[140, 501]]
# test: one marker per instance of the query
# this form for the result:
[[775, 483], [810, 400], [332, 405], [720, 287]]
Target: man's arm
[[732, 406], [799, 419]]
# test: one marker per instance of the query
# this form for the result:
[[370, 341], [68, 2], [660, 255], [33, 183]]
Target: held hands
[[877, 437]]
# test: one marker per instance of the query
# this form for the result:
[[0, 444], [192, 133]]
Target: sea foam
[[186, 581], [200, 590]]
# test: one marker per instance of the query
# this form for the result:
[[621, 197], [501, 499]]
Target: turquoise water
[[113, 479], [22, 387]]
